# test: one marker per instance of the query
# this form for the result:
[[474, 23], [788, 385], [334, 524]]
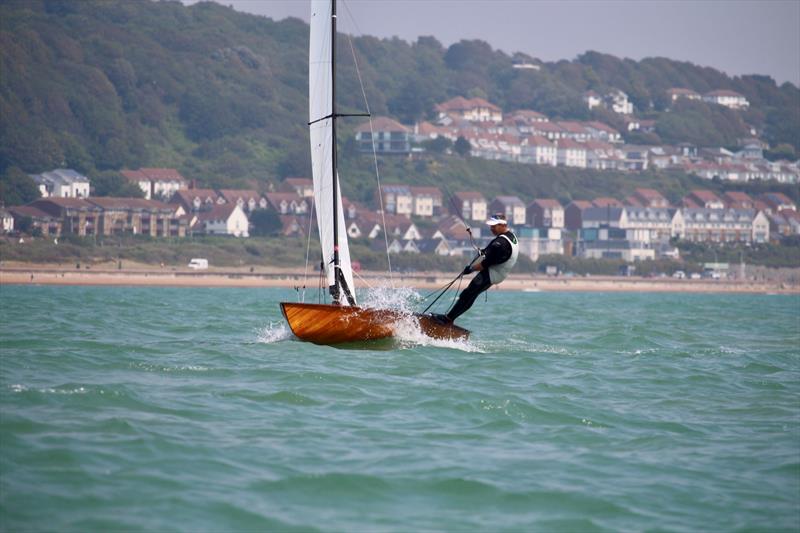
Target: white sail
[[320, 104]]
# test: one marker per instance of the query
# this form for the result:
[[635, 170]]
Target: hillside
[[221, 96]]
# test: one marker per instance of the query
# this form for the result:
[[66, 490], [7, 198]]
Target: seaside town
[[424, 219]]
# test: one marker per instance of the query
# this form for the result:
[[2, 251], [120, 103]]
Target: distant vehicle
[[198, 263], [712, 274], [679, 274], [695, 275]]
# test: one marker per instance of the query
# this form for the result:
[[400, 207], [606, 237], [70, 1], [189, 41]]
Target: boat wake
[[274, 332]]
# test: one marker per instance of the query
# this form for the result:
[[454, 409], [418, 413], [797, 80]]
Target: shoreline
[[145, 275]]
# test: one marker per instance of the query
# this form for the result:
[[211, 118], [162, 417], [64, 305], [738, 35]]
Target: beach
[[133, 274]]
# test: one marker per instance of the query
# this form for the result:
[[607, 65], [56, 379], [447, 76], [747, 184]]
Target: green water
[[195, 410]]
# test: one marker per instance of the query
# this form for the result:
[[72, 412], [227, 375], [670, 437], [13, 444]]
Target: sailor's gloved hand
[[467, 270]]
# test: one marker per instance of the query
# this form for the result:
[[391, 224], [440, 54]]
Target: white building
[[157, 182], [538, 151], [62, 183], [571, 153], [7, 221], [729, 99], [226, 219]]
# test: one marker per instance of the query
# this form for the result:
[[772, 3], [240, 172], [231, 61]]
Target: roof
[[580, 204], [569, 144], [110, 202], [232, 194], [277, 197], [187, 196], [704, 195], [680, 90], [78, 203], [382, 124], [650, 194], [606, 201], [60, 175], [538, 140], [218, 212], [154, 174], [432, 191], [469, 195], [724, 92], [546, 203], [396, 188], [602, 213], [28, 211]]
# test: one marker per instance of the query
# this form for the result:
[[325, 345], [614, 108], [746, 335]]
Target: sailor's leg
[[465, 300]]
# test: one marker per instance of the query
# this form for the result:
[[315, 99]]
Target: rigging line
[[308, 246], [374, 151]]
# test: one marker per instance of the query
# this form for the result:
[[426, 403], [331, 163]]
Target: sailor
[[493, 265]]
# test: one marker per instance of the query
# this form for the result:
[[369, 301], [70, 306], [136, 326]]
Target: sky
[[734, 36]]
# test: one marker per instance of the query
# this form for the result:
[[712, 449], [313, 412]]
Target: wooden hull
[[334, 324]]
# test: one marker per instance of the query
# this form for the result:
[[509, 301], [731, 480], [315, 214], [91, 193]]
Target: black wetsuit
[[497, 252]]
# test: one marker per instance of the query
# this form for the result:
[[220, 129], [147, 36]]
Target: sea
[[195, 409]]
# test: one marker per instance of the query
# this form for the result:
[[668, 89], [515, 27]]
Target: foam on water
[[274, 332]]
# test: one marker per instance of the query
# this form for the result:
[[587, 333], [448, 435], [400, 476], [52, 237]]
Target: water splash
[[274, 332], [403, 299]]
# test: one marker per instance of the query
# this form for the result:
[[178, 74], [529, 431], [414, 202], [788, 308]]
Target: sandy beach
[[147, 275]]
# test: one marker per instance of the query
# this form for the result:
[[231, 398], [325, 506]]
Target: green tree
[[462, 147], [111, 183], [265, 222], [439, 145], [17, 188]]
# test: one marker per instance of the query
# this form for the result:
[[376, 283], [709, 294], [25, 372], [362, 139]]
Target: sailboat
[[342, 320]]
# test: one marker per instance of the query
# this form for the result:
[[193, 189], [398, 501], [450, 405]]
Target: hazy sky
[[734, 36]]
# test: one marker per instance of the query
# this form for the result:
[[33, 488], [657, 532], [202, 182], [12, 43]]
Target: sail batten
[[320, 99]]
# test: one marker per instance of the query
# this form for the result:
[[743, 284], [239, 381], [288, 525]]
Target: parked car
[[679, 274]]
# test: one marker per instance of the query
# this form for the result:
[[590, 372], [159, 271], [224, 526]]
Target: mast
[[335, 291]]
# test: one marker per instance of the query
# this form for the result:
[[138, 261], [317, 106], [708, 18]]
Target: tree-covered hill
[[102, 85]]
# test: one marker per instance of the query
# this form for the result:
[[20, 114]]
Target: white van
[[198, 263]]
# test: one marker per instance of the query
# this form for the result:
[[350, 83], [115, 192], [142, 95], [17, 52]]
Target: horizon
[[737, 38]]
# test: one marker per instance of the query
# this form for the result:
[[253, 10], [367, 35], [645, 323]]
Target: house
[[537, 150], [287, 203], [654, 224], [472, 204], [606, 201], [601, 155], [596, 217], [62, 183], [138, 216], [47, 223], [434, 246], [226, 219], [6, 221], [397, 199], [601, 132], [247, 199], [303, 187], [573, 130], [472, 109], [777, 201], [546, 213], [702, 198], [634, 157], [452, 228], [512, 207], [549, 130], [571, 153], [613, 243], [294, 225], [647, 198], [727, 98], [725, 225], [76, 215], [156, 182], [617, 101], [385, 135], [427, 201], [676, 93], [738, 200], [192, 200], [535, 242], [573, 214], [592, 99]]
